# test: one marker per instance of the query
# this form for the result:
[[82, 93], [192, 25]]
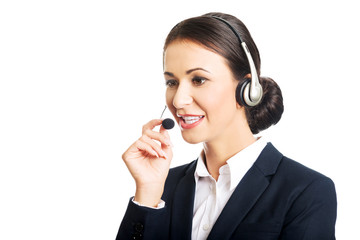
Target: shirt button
[[206, 227]]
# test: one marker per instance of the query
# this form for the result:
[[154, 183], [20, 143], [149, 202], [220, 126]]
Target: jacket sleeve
[[313, 213], [143, 223]]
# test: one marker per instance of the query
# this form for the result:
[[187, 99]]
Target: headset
[[249, 93]]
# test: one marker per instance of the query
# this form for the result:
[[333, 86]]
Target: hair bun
[[270, 110]]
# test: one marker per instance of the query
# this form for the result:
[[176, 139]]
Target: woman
[[240, 187]]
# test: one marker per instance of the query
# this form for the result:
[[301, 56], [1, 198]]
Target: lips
[[190, 121]]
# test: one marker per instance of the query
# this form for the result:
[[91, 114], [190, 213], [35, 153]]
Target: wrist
[[149, 196]]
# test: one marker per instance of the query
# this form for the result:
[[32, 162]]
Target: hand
[[148, 162]]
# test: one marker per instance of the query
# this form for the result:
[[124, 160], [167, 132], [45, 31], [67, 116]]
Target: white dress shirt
[[211, 196]]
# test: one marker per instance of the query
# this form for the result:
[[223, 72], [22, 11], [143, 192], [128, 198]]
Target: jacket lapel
[[182, 207], [246, 193]]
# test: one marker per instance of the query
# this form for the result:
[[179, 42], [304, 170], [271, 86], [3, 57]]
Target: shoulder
[[285, 171], [290, 179], [293, 171]]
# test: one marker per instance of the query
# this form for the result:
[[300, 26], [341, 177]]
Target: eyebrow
[[187, 72]]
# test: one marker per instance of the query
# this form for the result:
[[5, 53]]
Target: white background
[[78, 79]]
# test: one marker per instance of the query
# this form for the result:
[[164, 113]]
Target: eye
[[171, 83], [198, 81]]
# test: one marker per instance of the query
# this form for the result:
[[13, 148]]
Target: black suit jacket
[[278, 198]]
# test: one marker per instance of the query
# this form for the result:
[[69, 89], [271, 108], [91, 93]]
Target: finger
[[161, 137], [143, 146], [150, 125], [156, 147]]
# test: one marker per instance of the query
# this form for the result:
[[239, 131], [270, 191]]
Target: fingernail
[[163, 154], [155, 154]]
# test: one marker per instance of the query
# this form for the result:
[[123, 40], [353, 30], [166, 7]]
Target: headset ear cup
[[240, 92]]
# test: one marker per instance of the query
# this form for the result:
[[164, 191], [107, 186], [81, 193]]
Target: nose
[[183, 96]]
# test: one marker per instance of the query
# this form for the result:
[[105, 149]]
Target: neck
[[218, 151]]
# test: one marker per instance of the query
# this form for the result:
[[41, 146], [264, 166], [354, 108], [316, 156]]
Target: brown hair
[[218, 37]]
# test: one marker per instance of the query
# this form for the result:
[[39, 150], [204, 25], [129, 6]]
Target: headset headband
[[251, 96]]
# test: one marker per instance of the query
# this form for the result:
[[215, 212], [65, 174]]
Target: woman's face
[[201, 92]]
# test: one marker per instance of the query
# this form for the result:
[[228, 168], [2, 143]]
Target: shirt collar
[[201, 169], [236, 166]]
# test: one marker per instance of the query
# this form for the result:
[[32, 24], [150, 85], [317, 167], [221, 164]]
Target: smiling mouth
[[190, 121]]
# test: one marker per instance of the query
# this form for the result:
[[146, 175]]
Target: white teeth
[[192, 119]]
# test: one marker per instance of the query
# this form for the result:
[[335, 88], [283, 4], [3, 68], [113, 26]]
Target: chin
[[192, 139]]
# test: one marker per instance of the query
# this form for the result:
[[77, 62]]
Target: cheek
[[220, 98], [219, 105]]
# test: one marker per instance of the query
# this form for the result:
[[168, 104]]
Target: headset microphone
[[167, 123]]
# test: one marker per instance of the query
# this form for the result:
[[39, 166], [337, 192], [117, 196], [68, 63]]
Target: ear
[[248, 76]]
